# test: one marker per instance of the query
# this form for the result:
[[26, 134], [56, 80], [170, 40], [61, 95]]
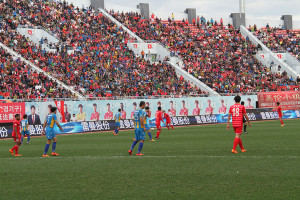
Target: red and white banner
[[60, 106], [289, 100], [8, 111]]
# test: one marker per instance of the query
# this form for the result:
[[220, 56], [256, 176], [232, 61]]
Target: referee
[[244, 119]]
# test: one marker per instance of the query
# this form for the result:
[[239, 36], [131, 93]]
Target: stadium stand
[[217, 55], [279, 40], [18, 81], [101, 64]]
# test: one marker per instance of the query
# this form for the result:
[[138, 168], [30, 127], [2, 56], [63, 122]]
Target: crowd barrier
[[109, 125]]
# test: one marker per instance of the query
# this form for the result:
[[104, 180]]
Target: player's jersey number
[[235, 112]]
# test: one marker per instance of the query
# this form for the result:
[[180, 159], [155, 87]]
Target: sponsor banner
[[106, 109], [289, 100], [6, 130], [110, 125], [38, 111], [8, 111]]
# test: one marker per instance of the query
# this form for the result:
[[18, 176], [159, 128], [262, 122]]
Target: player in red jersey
[[279, 113], [168, 120], [16, 134], [237, 111], [159, 118]]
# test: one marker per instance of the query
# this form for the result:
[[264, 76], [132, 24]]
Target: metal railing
[[105, 98], [178, 69], [256, 41], [120, 25], [238, 93]]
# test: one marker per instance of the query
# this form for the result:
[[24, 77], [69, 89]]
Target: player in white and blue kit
[[24, 129], [50, 122], [139, 129], [118, 118], [146, 115]]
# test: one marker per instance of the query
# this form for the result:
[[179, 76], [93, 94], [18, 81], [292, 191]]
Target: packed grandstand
[[100, 64]]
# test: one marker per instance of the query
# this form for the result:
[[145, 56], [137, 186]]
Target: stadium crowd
[[217, 55], [18, 81], [101, 64], [279, 40]]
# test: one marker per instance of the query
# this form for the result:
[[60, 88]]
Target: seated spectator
[[100, 63]]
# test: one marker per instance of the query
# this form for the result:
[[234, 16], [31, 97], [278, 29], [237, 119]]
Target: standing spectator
[[143, 54]]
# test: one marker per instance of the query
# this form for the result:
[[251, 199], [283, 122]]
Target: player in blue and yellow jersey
[[118, 118], [139, 129], [146, 116], [24, 129], [50, 122]]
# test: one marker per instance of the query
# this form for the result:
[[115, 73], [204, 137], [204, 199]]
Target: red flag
[[60, 107]]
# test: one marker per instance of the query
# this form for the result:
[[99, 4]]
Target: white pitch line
[[145, 156]]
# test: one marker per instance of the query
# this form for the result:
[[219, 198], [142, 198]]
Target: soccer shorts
[[147, 127], [158, 126], [279, 116], [50, 133], [238, 130], [118, 124], [139, 134], [168, 121], [25, 133]]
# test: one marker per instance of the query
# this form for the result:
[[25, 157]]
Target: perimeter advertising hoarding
[[106, 109], [109, 125], [8, 111], [289, 100]]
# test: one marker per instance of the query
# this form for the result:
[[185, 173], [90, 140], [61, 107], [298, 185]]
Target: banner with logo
[[8, 111], [106, 109], [38, 111], [289, 100], [110, 125]]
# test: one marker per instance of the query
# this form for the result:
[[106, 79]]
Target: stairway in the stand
[[35, 68], [173, 60]]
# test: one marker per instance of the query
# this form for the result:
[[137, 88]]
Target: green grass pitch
[[187, 163]]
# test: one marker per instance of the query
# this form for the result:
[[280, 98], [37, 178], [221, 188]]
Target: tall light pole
[[242, 6]]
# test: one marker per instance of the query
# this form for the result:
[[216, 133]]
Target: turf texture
[[187, 163]]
